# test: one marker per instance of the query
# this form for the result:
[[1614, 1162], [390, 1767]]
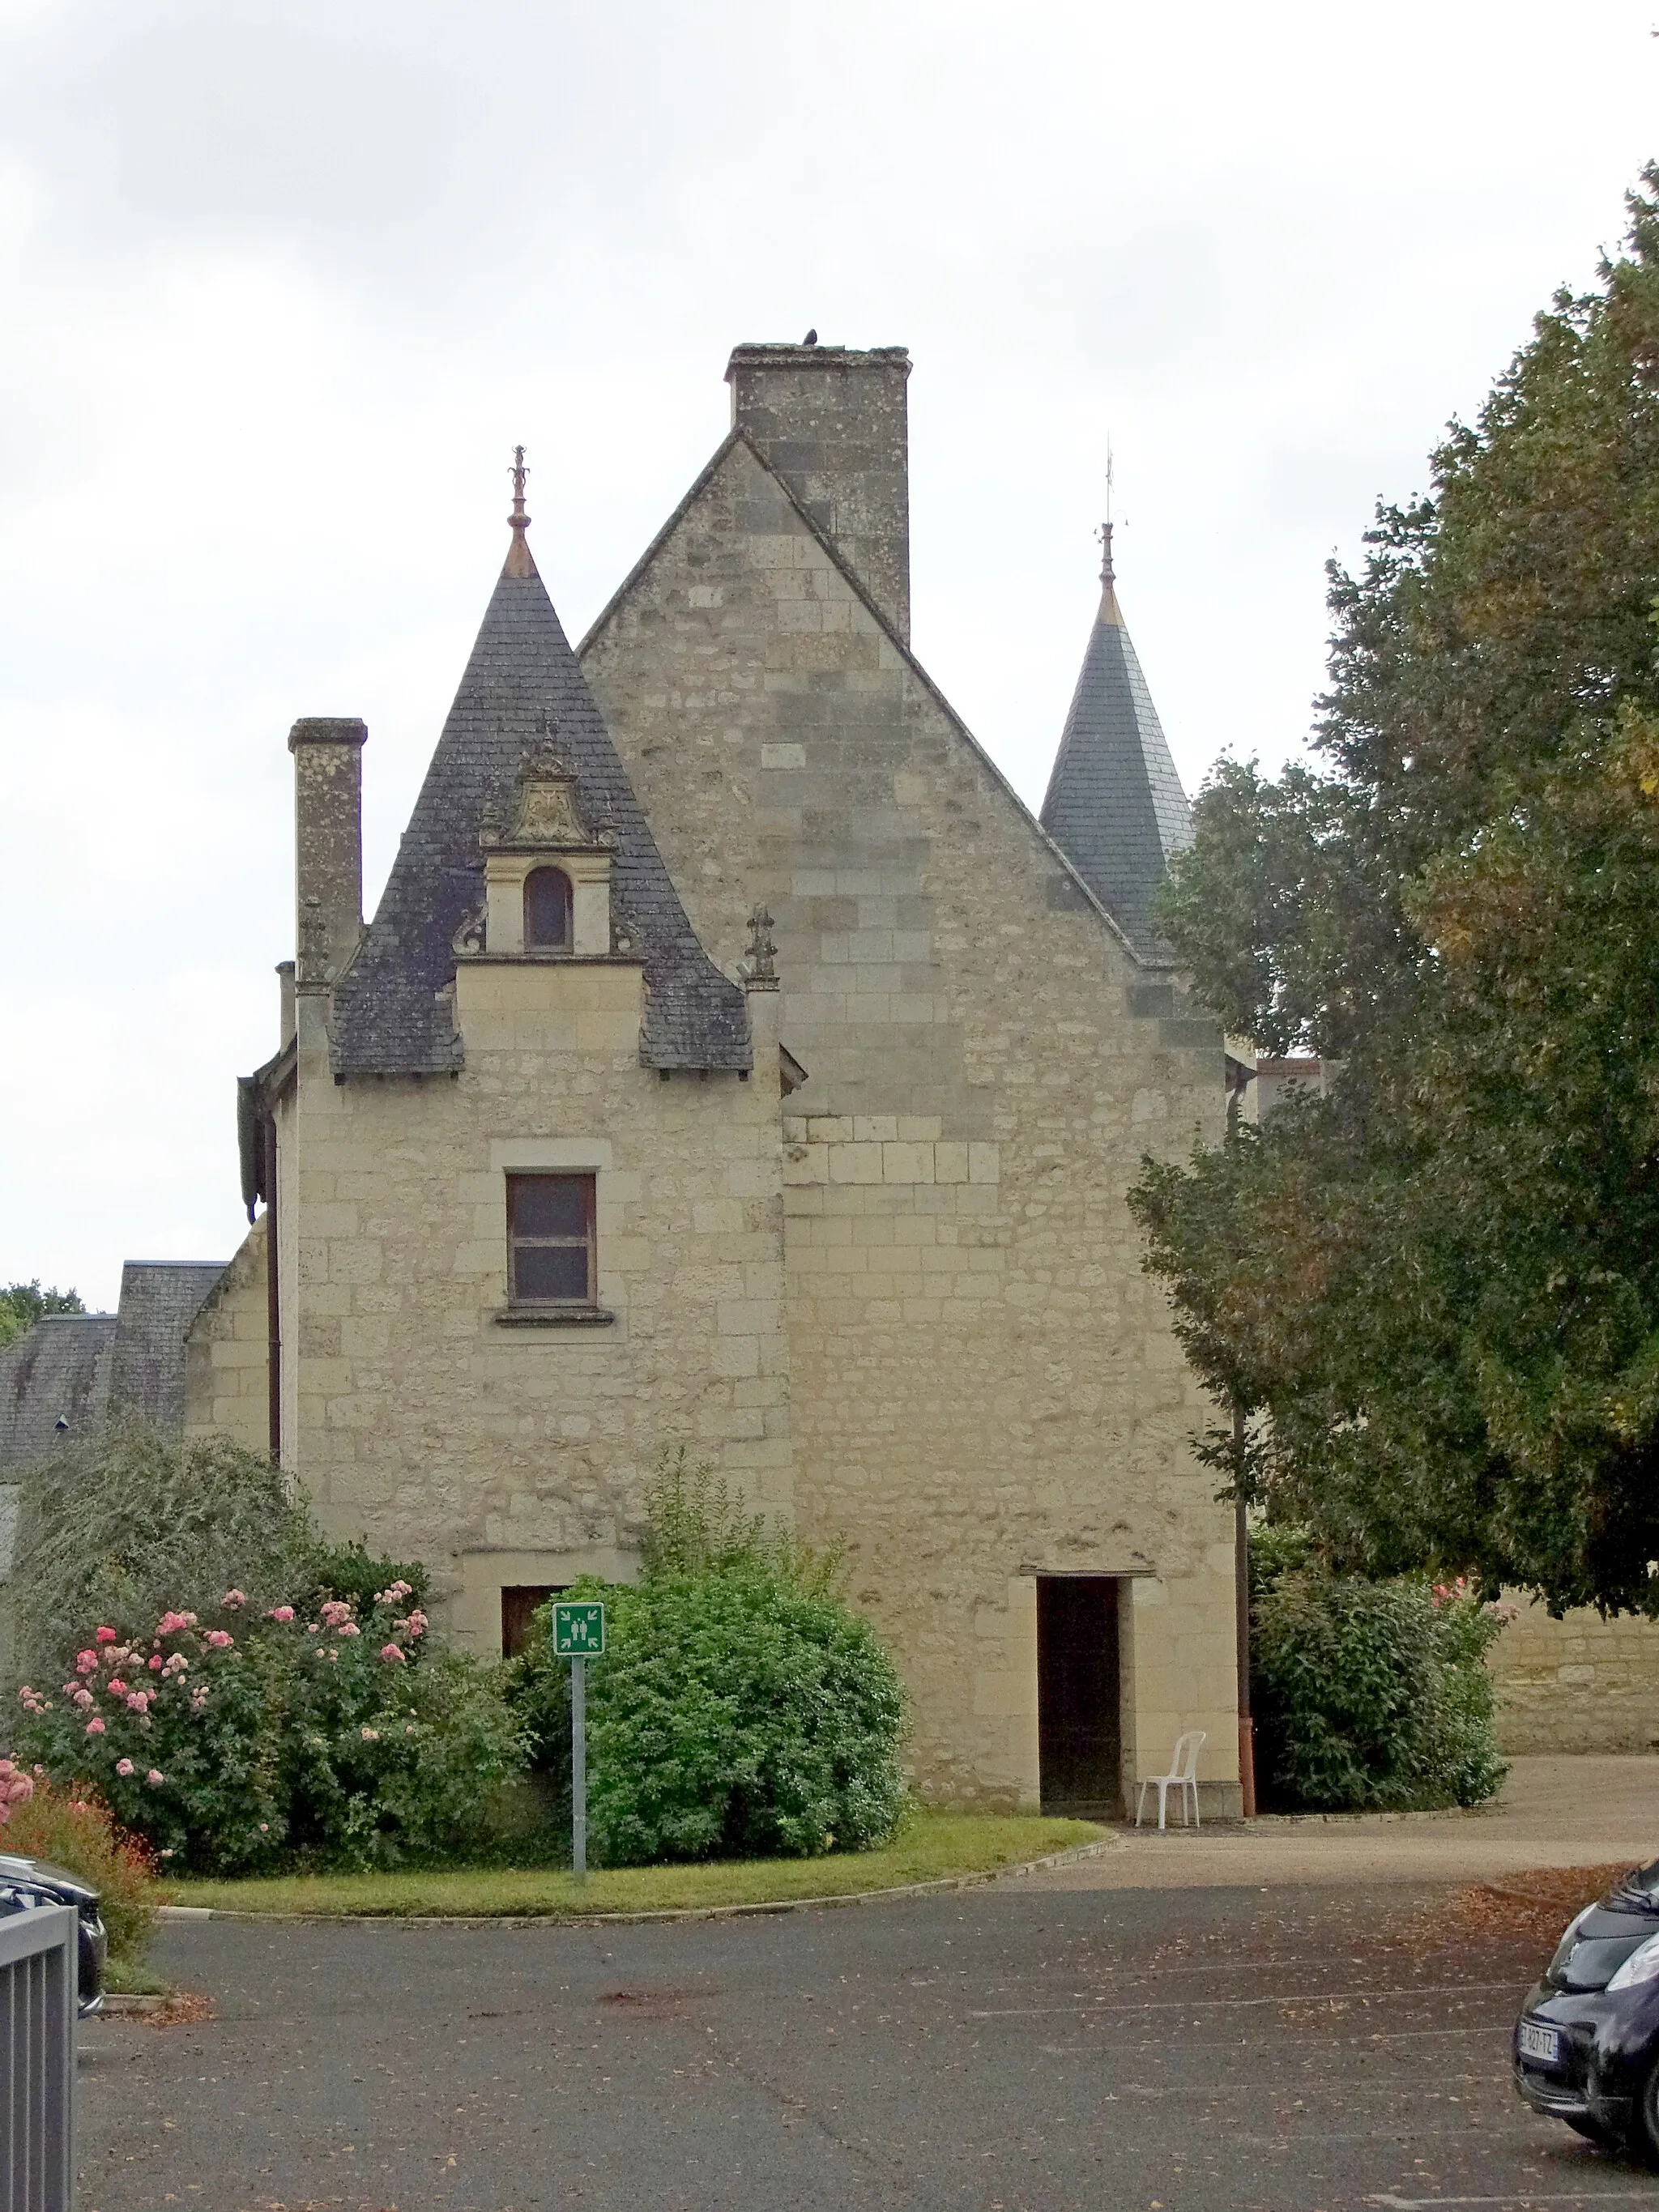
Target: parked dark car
[[1587, 2041], [26, 1883]]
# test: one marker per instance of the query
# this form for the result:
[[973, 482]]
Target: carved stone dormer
[[547, 879]]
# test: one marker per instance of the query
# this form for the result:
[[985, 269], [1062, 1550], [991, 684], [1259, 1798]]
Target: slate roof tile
[[522, 689], [1115, 805]]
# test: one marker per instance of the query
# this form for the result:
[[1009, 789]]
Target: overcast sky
[[285, 280]]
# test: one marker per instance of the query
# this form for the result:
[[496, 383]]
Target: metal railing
[[38, 1989]]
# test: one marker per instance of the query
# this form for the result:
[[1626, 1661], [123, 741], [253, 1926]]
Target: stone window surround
[[589, 875], [554, 1155]]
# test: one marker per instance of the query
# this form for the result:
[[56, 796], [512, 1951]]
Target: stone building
[[734, 1060]]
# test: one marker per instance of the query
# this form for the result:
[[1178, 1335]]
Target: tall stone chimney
[[833, 424], [328, 843]]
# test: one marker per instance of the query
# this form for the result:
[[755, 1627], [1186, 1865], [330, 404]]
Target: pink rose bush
[[16, 1787], [241, 1752]]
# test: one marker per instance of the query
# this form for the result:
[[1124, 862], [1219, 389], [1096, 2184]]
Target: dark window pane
[[547, 908], [550, 1206], [550, 1271]]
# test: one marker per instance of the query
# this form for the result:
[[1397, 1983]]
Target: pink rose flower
[[281, 1613], [104, 1636], [392, 1653], [94, 1726], [335, 1612], [155, 1663], [218, 1639], [83, 1699], [233, 1598], [85, 1661], [116, 1687], [124, 1766], [138, 1700], [349, 1628], [155, 1777]]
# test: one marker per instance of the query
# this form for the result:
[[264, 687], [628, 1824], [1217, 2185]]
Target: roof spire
[[1115, 805], [519, 562]]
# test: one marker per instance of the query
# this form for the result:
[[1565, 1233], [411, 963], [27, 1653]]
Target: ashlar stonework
[[861, 1070]]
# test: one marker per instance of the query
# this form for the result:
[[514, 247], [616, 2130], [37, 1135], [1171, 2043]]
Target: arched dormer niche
[[549, 903], [547, 880]]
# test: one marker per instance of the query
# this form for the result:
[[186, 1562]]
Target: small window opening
[[547, 910], [551, 1259]]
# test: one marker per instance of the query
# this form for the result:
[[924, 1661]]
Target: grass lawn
[[928, 1846]]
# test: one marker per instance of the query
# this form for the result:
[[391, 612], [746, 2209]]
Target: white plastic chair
[[1182, 1775]]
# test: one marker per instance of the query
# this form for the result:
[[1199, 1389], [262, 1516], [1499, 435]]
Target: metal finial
[[519, 519], [1108, 575]]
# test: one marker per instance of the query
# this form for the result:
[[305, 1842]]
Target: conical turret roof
[[523, 692], [1115, 805]]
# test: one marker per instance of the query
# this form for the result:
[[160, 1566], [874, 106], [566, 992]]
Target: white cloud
[[284, 284]]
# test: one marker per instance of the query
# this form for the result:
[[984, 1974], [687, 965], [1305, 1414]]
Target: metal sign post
[[579, 1768], [578, 1636]]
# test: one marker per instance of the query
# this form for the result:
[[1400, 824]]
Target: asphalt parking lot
[[992, 2050]]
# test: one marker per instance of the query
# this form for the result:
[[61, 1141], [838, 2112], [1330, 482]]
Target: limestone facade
[[861, 1238], [1578, 1684]]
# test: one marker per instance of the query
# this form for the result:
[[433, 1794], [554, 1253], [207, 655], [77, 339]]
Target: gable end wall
[[984, 1384]]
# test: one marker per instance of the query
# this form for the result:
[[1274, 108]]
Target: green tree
[[23, 1304], [1442, 1282]]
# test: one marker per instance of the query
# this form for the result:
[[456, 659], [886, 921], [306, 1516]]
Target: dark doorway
[[518, 1614], [1077, 1729]]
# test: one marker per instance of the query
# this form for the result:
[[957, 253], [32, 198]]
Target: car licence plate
[[1543, 2044]]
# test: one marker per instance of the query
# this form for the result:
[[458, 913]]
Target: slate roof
[[1115, 805], [522, 690], [159, 1299], [58, 1370], [83, 1368]]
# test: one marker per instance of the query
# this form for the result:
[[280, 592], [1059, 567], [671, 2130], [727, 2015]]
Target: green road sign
[[578, 1631]]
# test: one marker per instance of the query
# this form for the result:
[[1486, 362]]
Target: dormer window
[[547, 909]]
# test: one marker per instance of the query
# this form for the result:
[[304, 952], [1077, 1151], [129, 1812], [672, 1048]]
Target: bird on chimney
[[811, 338]]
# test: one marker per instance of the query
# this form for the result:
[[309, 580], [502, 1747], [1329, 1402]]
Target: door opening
[[518, 1605], [1078, 1730]]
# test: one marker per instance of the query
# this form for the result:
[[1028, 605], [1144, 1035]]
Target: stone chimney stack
[[328, 844], [833, 424]]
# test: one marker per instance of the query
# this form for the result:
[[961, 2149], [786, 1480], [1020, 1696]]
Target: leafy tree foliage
[[23, 1304], [1368, 1695], [126, 1526], [1437, 1290]]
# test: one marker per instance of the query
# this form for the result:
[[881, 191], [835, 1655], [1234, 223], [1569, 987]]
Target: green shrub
[[75, 1832], [740, 1710], [127, 1525], [1369, 1695], [237, 1742]]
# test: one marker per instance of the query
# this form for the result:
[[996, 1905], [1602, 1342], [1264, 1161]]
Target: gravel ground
[[1010, 2049]]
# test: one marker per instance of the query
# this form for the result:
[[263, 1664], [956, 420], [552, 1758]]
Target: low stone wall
[[1578, 1684]]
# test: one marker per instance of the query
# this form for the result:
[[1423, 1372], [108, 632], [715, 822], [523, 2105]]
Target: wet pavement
[[994, 2051]]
